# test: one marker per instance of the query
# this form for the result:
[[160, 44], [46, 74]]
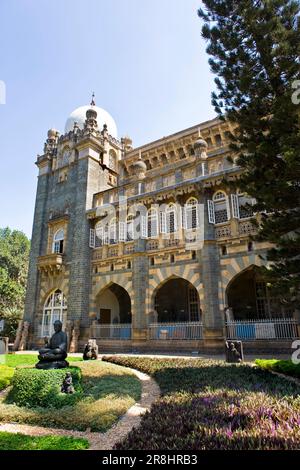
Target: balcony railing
[[112, 331], [52, 262], [182, 331], [273, 329]]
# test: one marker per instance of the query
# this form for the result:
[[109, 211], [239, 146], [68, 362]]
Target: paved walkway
[[100, 441]]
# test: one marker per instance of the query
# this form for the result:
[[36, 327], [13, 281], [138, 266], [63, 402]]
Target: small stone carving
[[24, 336], [67, 385], [75, 337], [90, 350], [18, 335], [234, 351], [53, 355]]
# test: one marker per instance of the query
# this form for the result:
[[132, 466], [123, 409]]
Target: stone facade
[[87, 169]]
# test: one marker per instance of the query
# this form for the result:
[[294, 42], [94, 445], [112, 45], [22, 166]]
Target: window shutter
[[155, 228], [92, 243], [106, 237], [180, 217], [113, 232], [183, 217], [235, 206], [211, 212], [122, 231], [228, 208], [163, 222], [175, 220], [99, 234], [197, 210], [144, 227]]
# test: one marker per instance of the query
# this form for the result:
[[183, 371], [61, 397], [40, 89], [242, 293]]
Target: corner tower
[[73, 167]]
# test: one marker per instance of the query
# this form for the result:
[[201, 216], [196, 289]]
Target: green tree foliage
[[254, 48], [14, 253]]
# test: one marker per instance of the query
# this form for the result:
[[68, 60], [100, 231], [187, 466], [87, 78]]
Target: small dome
[[200, 143], [103, 117], [52, 133], [140, 165]]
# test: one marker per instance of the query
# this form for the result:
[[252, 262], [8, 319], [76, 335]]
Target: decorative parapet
[[247, 228], [51, 264], [223, 231]]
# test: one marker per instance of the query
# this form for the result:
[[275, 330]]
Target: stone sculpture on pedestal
[[53, 355]]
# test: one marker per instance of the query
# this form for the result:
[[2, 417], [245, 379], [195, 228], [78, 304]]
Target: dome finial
[[93, 99]]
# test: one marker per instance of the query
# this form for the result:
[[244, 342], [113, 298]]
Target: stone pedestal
[[213, 339], [3, 344], [52, 365]]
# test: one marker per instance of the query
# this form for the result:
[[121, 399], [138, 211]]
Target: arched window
[[152, 221], [130, 227], [55, 308], [171, 218], [112, 231], [112, 160], [245, 203], [65, 158], [58, 241], [191, 213], [221, 207], [194, 305], [218, 140]]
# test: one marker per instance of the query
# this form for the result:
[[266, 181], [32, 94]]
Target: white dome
[[103, 117]]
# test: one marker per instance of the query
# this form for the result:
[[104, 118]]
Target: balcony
[[50, 264]]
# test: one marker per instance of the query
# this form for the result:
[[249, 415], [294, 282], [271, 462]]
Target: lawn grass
[[15, 360], [108, 391], [211, 405], [6, 374], [11, 361], [286, 367], [11, 441]]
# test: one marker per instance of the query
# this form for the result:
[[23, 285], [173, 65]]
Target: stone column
[[213, 319], [139, 282]]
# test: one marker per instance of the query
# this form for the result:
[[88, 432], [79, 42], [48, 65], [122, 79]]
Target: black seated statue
[[53, 355], [90, 350]]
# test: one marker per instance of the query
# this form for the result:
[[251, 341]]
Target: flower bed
[[213, 405]]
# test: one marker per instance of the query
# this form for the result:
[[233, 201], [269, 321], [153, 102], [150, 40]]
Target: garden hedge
[[42, 388], [286, 367]]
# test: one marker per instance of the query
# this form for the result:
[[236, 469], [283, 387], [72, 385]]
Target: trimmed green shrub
[[286, 367], [42, 388], [6, 374]]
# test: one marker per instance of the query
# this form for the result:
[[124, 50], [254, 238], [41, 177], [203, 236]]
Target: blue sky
[[144, 59]]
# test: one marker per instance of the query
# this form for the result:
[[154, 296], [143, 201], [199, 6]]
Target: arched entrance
[[177, 300], [113, 305], [113, 313], [249, 297]]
